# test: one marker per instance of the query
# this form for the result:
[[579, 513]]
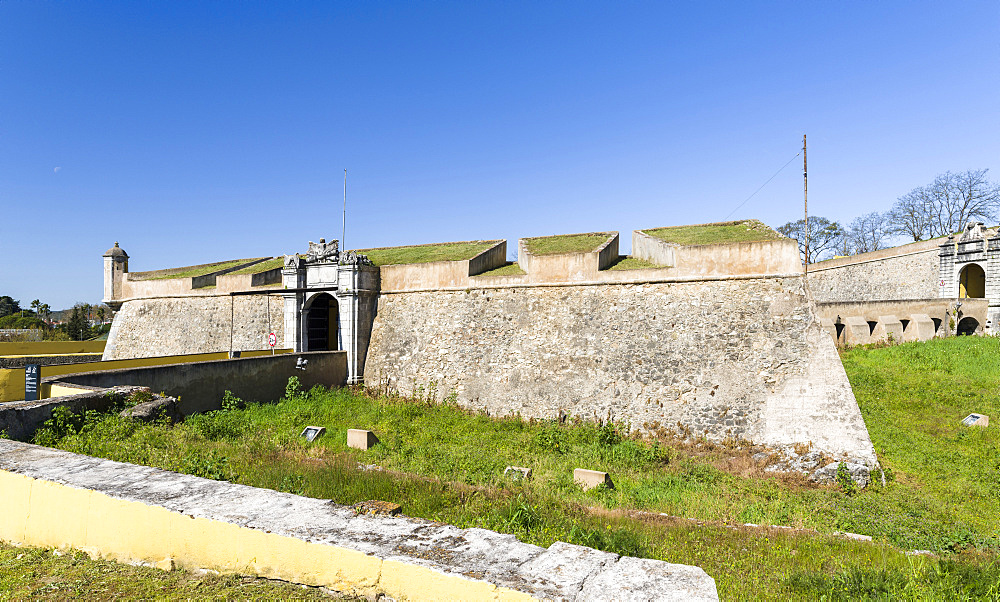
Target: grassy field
[[447, 251], [709, 234], [567, 243], [445, 464], [40, 574]]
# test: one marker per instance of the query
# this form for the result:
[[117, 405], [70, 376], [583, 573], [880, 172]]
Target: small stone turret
[[115, 267]]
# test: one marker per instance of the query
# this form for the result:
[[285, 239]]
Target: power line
[[763, 185]]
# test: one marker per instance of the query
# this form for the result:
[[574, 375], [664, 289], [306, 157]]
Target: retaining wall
[[742, 358], [134, 513], [729, 259], [199, 386], [441, 274], [904, 272]]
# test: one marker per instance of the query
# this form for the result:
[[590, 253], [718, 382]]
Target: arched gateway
[[330, 300]]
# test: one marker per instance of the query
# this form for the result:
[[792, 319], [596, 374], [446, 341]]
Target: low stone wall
[[865, 322], [178, 325], [47, 360], [199, 386], [133, 513], [904, 272], [20, 419], [740, 358]]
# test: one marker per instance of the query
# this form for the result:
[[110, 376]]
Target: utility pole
[[805, 194], [343, 234]]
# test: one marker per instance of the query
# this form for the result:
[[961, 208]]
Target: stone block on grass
[[361, 439], [588, 479], [518, 473], [976, 420]]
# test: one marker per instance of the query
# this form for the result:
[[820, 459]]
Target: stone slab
[[588, 479], [919, 328], [361, 439], [517, 472]]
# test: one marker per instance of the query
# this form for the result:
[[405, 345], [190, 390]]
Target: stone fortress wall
[[904, 272], [194, 324], [716, 341]]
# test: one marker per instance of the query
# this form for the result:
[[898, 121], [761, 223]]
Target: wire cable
[[763, 185]]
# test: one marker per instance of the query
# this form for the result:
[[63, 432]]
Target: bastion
[[706, 331]]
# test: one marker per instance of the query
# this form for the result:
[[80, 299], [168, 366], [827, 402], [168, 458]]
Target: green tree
[[9, 306], [77, 327]]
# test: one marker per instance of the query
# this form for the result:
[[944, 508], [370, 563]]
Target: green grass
[[511, 268], [445, 464], [750, 230], [193, 271], [627, 262], [28, 573], [263, 266], [567, 243], [448, 251]]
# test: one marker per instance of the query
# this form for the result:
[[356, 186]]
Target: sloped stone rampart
[[135, 513], [729, 358], [202, 324]]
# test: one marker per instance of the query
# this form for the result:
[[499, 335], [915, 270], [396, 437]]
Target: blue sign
[[32, 377]]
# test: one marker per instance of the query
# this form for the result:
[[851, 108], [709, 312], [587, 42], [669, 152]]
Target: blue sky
[[195, 132]]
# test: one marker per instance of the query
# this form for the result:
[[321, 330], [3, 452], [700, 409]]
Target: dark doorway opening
[[321, 324], [937, 324], [871, 326], [968, 326]]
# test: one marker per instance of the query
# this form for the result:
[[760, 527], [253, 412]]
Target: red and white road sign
[[272, 339]]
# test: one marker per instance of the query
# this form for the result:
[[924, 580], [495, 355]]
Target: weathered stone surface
[[156, 409], [475, 555], [976, 420], [729, 358], [642, 579], [588, 479], [859, 473], [199, 324], [361, 439], [908, 272]]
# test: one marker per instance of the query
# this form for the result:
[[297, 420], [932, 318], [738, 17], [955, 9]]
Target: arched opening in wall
[[937, 325], [871, 326], [321, 323], [967, 326], [905, 324], [972, 282]]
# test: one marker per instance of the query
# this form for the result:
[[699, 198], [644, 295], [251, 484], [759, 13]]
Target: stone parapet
[[134, 513]]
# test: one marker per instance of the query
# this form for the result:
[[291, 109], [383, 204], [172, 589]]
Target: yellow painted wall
[[12, 380], [52, 348], [44, 513]]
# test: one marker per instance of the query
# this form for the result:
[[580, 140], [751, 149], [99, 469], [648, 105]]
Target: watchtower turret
[[115, 267]]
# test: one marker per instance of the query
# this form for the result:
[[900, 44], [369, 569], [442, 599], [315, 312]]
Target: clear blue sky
[[194, 132]]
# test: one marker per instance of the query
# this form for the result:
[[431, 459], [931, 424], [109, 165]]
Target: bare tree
[[824, 236], [911, 215], [944, 206], [870, 232]]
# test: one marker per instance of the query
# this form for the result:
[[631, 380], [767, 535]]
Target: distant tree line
[[940, 208], [77, 327]]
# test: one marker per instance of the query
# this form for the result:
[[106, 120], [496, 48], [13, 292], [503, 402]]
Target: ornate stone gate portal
[[330, 301]]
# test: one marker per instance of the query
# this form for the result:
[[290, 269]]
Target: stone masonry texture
[[180, 325], [733, 358], [907, 277]]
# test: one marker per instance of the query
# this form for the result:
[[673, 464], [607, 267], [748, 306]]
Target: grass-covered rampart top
[[263, 266], [189, 271], [447, 251], [750, 230], [510, 268], [567, 243], [440, 462]]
